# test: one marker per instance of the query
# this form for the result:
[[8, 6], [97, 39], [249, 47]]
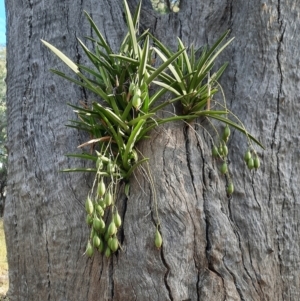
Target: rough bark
[[215, 248]]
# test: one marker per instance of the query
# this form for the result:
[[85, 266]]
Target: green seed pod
[[99, 163], [111, 167], [131, 88], [224, 168], [89, 220], [127, 189], [109, 242], [226, 133], [220, 150], [96, 241], [106, 235], [158, 239], [107, 252], [117, 219], [102, 204], [102, 224], [230, 188], [112, 229], [102, 229], [101, 188], [97, 225], [92, 233], [137, 91], [99, 210], [89, 249], [114, 244], [225, 150], [108, 198], [136, 102], [250, 163], [101, 246], [256, 162], [215, 152], [89, 207], [247, 155]]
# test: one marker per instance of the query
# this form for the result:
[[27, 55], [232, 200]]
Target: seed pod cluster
[[103, 237], [220, 151], [252, 162], [136, 99], [105, 164], [137, 94]]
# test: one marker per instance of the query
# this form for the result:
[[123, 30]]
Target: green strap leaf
[[175, 71], [83, 156], [161, 68], [143, 60], [131, 28], [103, 43], [63, 57], [136, 120], [111, 116]]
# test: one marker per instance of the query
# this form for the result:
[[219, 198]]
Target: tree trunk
[[214, 248]]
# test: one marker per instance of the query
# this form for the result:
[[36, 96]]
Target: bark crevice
[[111, 277], [166, 274], [48, 264], [257, 280], [235, 281]]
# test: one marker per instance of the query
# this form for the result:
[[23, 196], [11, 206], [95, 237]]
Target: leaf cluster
[[127, 111]]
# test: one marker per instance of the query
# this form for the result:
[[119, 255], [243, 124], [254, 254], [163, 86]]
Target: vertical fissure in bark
[[166, 273], [111, 277], [257, 280], [180, 29], [188, 151], [239, 291], [280, 262], [206, 220], [49, 264], [198, 283], [278, 58], [68, 248], [29, 21], [228, 14], [161, 250], [101, 268], [88, 266]]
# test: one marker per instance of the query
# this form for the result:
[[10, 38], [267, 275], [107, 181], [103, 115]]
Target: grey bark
[[215, 248]]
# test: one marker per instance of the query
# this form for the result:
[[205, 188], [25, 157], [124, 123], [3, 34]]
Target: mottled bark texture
[[215, 248]]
